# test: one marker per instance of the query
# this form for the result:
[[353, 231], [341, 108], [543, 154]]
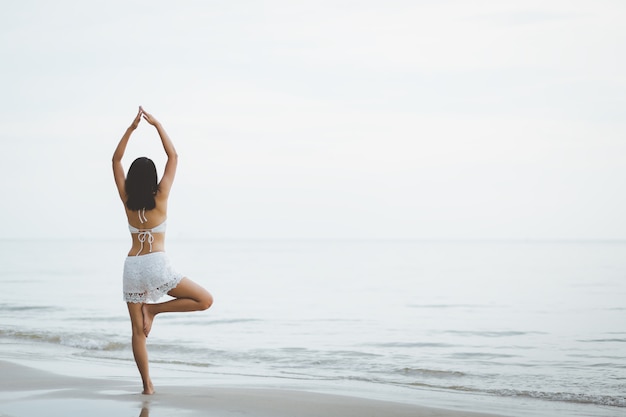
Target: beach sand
[[26, 391]]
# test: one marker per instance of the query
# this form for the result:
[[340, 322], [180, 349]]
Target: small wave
[[207, 322], [231, 321], [446, 306], [604, 400], [37, 337], [480, 355], [194, 364], [412, 345], [353, 354], [81, 341], [431, 373], [567, 397], [93, 344], [507, 333], [92, 318], [186, 349], [604, 341], [21, 308], [588, 356]]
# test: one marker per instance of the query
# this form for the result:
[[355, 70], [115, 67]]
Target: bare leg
[[140, 351], [188, 296]]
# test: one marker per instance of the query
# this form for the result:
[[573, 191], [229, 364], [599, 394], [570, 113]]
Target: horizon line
[[339, 239]]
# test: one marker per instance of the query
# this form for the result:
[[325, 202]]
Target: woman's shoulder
[[161, 196], [160, 200]]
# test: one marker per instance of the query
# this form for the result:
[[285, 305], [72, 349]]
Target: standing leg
[[189, 296], [140, 351]]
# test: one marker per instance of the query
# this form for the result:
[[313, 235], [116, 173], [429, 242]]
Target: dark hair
[[141, 184]]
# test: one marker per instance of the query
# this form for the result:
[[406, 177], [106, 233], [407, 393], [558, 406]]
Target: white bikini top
[[144, 234]]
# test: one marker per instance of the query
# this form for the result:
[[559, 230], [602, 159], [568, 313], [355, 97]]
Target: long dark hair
[[141, 184]]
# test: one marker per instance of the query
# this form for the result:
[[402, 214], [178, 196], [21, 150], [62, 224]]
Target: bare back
[[153, 218]]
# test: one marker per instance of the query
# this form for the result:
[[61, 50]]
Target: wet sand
[[26, 391]]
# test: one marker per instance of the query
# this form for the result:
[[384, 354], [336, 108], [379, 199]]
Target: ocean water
[[523, 326]]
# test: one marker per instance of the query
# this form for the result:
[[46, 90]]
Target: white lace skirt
[[148, 277]]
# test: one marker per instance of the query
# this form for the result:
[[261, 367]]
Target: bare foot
[[147, 319], [148, 389]]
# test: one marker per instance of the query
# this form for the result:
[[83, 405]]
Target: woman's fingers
[[149, 118], [137, 118]]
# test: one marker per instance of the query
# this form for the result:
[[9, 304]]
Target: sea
[[518, 328]]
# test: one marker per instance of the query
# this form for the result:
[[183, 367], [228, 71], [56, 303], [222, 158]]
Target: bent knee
[[206, 301]]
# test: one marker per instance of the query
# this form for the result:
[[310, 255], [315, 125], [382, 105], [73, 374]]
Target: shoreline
[[27, 391]]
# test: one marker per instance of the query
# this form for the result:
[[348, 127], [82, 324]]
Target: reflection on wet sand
[[145, 410]]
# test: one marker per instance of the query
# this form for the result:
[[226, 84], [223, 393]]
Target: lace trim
[[151, 295]]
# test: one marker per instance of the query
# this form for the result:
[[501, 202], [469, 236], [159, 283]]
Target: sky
[[320, 119]]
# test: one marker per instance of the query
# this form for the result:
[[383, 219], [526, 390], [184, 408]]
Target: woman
[[148, 274]]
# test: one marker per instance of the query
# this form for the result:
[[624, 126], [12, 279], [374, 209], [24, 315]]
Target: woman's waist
[[142, 237], [154, 254], [143, 246]]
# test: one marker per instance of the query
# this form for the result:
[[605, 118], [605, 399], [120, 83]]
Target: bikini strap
[[142, 236], [141, 213]]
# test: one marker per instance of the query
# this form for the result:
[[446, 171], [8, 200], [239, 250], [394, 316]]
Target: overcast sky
[[320, 119]]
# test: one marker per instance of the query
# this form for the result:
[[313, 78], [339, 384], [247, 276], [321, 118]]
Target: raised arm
[[172, 157], [118, 169]]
